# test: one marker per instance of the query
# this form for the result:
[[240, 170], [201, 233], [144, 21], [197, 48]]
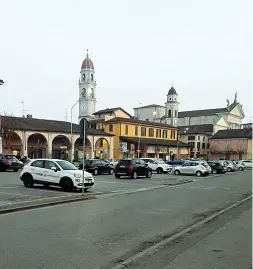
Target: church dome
[[172, 91], [87, 63]]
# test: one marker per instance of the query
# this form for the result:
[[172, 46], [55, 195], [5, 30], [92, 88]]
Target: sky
[[138, 47]]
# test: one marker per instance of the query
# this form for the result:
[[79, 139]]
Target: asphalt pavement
[[102, 233]]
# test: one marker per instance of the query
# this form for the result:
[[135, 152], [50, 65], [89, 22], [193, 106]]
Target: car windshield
[[160, 161], [65, 165]]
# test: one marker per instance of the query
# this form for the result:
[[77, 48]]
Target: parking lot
[[12, 191]]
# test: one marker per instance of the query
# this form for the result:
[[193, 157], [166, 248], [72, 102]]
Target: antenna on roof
[[66, 115], [23, 110]]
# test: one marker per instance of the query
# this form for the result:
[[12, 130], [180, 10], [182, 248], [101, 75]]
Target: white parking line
[[14, 187]]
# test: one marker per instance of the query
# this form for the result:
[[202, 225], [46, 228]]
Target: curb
[[178, 183], [45, 204], [150, 250]]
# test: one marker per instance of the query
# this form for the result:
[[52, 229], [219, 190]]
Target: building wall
[[121, 114], [147, 112]]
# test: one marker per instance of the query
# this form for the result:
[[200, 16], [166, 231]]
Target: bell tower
[[87, 89], [171, 108]]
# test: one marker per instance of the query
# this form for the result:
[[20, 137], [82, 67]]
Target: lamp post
[[71, 128]]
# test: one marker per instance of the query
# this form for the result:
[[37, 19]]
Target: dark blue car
[[176, 162]]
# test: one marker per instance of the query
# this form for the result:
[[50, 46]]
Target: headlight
[[77, 175], [77, 179]]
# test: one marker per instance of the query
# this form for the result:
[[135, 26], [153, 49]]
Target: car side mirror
[[54, 168]]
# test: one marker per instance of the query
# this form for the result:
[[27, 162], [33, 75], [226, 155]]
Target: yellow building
[[150, 139]]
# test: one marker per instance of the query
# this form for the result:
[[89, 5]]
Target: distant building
[[247, 125], [149, 139], [232, 144]]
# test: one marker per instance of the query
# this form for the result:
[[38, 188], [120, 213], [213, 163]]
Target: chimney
[[29, 116]]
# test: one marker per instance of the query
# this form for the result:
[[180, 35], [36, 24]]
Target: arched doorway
[[12, 144], [37, 146], [102, 148], [78, 149], [61, 147]]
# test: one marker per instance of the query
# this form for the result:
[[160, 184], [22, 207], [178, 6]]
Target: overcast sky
[[138, 47]]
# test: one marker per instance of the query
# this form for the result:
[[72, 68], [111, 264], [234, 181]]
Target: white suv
[[55, 172], [158, 165]]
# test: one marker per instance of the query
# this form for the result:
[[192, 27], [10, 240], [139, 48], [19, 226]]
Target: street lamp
[[71, 127]]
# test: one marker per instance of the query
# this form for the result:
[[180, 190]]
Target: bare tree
[[6, 131]]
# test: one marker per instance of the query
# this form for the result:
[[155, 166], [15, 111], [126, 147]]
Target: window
[[175, 113], [126, 129], [173, 134], [91, 77], [143, 131], [165, 133], [158, 132], [38, 163], [204, 138], [198, 145], [208, 146], [169, 113], [228, 147], [170, 98], [198, 137], [50, 164], [136, 130], [151, 132], [191, 137], [191, 144], [203, 145], [110, 128]]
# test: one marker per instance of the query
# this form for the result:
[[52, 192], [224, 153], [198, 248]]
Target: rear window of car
[[124, 162]]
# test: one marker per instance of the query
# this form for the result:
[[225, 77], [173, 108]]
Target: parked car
[[97, 166], [158, 165], [198, 168], [9, 162], [217, 168], [248, 164], [55, 172], [239, 165], [230, 165], [132, 168], [176, 162], [113, 161]]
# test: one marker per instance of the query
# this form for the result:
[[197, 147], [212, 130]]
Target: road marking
[[14, 187], [9, 193], [163, 243], [106, 182]]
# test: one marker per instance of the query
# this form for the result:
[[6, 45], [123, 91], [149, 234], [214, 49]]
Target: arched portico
[[102, 147], [37, 146], [61, 147], [78, 149], [12, 144]]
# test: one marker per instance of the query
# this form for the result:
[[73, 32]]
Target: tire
[[95, 172], [229, 169], [159, 170], [149, 174], [198, 173], [134, 175], [28, 181], [67, 184], [177, 172], [111, 172], [214, 171], [117, 176]]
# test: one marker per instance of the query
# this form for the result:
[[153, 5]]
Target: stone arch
[[78, 149], [37, 146], [61, 147], [102, 148], [12, 144]]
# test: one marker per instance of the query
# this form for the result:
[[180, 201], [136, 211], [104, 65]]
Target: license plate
[[121, 173], [122, 166]]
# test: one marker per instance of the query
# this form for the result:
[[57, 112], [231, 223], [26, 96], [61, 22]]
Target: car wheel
[[214, 171], [176, 172], [134, 175], [159, 170], [149, 174], [28, 181], [199, 174], [229, 169], [95, 173], [67, 184], [117, 176], [111, 172]]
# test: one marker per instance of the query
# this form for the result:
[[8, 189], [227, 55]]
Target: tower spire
[[87, 55]]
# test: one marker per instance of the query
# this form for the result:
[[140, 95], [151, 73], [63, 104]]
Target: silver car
[[198, 168]]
